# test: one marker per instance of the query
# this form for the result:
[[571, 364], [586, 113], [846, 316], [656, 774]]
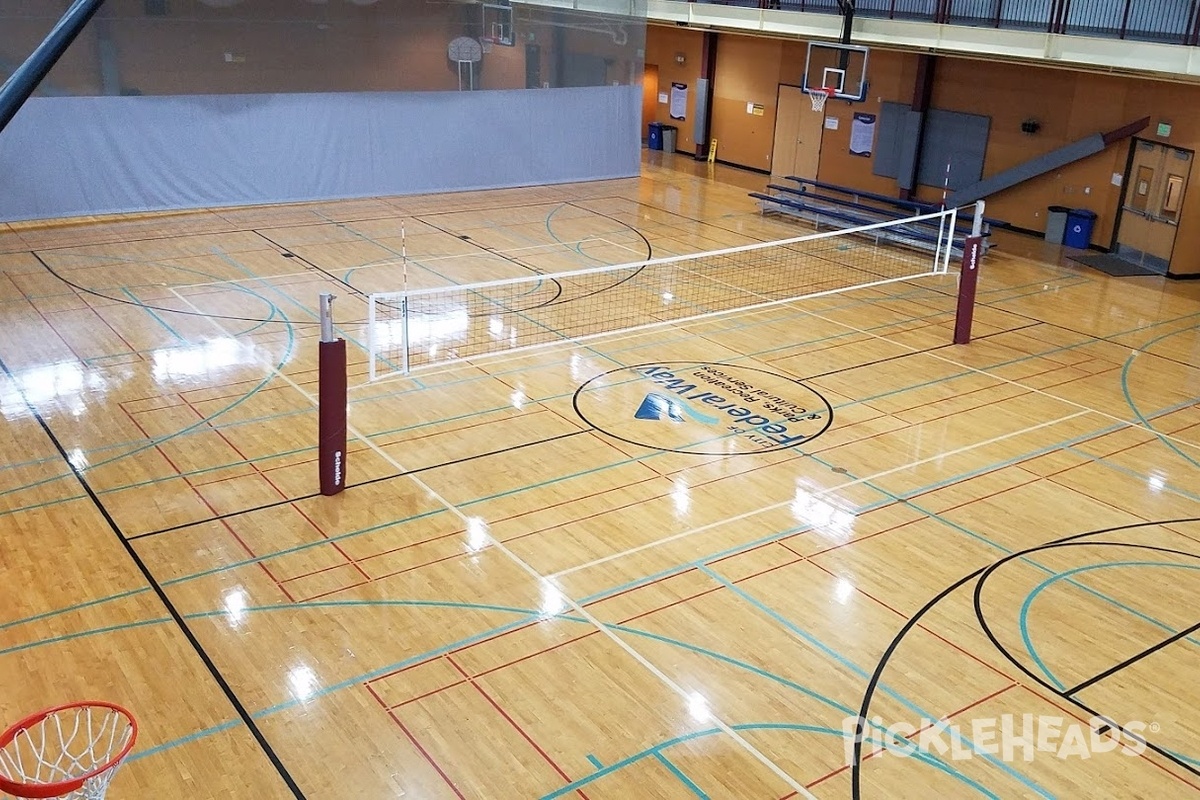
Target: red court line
[[949, 716], [1071, 711], [295, 507], [420, 749], [524, 735], [224, 522]]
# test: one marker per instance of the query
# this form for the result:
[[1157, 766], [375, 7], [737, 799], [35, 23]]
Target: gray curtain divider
[[71, 156]]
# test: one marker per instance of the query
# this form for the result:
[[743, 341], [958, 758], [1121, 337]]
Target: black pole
[[25, 81]]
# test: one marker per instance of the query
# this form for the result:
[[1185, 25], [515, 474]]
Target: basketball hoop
[[70, 752], [819, 95]]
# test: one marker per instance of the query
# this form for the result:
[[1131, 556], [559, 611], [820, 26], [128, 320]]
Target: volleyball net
[[412, 330]]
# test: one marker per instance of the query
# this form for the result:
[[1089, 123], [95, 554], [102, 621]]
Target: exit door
[[1154, 189]]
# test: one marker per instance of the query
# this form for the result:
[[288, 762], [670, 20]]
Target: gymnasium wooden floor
[[530, 592]]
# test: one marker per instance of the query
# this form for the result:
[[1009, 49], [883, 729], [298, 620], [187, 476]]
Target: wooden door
[[797, 148], [1154, 192]]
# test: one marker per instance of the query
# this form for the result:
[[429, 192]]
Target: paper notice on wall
[[678, 101], [831, 123], [862, 134], [663, 98]]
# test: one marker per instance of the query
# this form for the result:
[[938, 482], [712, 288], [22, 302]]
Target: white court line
[[612, 243], [308, 272], [418, 260], [394, 262], [543, 581], [1012, 382], [821, 493]]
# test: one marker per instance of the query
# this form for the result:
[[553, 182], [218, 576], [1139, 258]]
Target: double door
[[798, 129], [1154, 189]]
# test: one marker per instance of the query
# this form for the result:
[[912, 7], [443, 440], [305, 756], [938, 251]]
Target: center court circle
[[703, 408]]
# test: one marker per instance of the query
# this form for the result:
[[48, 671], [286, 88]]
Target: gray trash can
[[1056, 224], [669, 134]]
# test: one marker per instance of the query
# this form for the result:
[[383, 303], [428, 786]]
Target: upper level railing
[[1163, 21]]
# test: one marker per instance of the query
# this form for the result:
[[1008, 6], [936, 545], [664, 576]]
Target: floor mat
[[1112, 265]]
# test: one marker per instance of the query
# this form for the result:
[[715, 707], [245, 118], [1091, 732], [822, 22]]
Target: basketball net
[[819, 96], [69, 752]]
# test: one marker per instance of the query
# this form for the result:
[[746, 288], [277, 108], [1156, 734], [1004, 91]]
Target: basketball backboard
[[842, 67], [497, 24]]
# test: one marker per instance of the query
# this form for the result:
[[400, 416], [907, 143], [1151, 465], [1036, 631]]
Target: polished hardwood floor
[[545, 579]]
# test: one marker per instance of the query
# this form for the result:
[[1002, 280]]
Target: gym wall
[[1068, 105], [268, 101]]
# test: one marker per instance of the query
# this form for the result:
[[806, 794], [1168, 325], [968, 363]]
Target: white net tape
[[443, 324], [65, 745], [818, 97]]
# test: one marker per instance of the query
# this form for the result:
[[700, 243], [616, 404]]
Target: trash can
[[1056, 224], [655, 140], [1079, 228], [669, 134]]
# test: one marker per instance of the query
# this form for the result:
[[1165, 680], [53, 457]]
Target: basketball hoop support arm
[[968, 279], [331, 403]]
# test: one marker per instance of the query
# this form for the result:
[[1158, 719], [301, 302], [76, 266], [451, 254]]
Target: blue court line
[[1142, 478], [76, 607], [533, 487], [153, 315], [526, 616], [678, 773], [1133, 405], [626, 461], [595, 762], [1046, 670], [151, 443], [1026, 606], [853, 668], [740, 326], [181, 741], [750, 726]]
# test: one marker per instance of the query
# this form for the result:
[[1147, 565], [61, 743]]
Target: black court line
[[138, 304], [287, 252], [287, 226], [980, 576], [242, 712], [369, 482], [1133, 659]]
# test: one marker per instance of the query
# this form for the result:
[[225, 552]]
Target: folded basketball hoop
[[819, 95], [70, 752]]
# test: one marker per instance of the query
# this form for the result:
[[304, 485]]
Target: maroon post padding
[[972, 250], [331, 411]]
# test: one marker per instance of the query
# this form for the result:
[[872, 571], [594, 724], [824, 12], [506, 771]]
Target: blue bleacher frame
[[822, 208]]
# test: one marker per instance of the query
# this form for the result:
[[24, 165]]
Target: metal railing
[[1163, 21]]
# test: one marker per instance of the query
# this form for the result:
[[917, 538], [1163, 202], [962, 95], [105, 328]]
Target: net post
[[404, 333], [332, 398], [969, 278], [371, 343]]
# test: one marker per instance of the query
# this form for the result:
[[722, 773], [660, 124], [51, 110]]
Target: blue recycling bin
[[656, 136], [1080, 222]]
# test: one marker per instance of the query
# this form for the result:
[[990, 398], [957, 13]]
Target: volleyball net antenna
[[424, 327]]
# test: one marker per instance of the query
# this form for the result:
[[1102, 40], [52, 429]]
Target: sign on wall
[[678, 101], [862, 135]]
